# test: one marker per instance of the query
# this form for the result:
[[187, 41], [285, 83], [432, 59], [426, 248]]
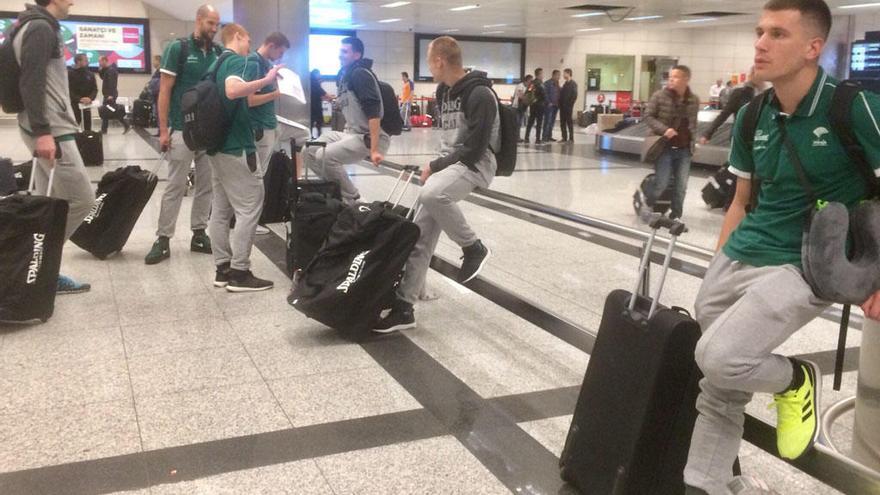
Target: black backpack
[[205, 122], [10, 72], [391, 123], [505, 156]]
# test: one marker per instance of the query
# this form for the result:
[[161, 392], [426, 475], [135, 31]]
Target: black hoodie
[[470, 123], [109, 77]]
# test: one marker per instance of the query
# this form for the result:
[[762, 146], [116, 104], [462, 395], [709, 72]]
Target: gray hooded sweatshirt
[[471, 125], [359, 96], [39, 50]]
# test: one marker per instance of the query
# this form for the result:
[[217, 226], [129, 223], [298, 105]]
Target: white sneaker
[[262, 230]]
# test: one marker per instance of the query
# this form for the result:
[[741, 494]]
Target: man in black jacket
[[83, 88], [536, 98], [567, 97], [109, 77], [739, 98]]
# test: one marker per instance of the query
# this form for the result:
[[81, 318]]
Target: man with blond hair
[[471, 130]]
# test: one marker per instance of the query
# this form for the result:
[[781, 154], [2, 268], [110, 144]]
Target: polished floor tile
[[295, 478], [551, 432]]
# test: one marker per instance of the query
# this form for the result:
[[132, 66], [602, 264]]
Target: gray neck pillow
[[833, 274]]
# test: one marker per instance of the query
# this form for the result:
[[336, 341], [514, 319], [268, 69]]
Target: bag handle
[[675, 228], [32, 184]]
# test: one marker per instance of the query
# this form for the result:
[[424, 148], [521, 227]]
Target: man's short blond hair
[[230, 30], [447, 48]]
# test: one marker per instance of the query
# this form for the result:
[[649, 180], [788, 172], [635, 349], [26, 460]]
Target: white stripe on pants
[[71, 182], [180, 158], [237, 191], [439, 212], [745, 312]]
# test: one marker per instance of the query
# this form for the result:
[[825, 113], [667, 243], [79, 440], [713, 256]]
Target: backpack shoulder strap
[[840, 116], [183, 55], [218, 50], [751, 117]]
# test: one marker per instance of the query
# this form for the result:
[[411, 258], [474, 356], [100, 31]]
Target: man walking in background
[[110, 91], [551, 89], [567, 96]]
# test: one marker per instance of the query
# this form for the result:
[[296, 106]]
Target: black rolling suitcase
[[31, 241], [119, 201], [720, 190], [91, 146], [314, 205], [276, 184], [354, 275], [632, 425], [142, 113], [640, 197]]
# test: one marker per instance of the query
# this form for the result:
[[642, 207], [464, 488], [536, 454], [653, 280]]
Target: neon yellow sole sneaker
[[797, 425]]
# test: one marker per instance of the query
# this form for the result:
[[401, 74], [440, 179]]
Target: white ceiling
[[534, 18], [529, 18]]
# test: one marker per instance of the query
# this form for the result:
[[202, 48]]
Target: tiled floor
[[181, 388]]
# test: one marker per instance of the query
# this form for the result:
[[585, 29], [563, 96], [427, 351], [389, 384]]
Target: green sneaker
[[161, 250], [200, 243], [797, 424]]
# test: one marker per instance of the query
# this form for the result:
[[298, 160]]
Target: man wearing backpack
[[237, 176], [754, 296], [46, 123], [360, 99], [262, 104], [184, 62], [471, 130]]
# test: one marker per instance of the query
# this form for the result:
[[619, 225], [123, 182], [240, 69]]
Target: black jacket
[[568, 95], [109, 79], [537, 87], [739, 98], [82, 84]]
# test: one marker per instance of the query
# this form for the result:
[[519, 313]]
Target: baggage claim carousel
[[631, 140]]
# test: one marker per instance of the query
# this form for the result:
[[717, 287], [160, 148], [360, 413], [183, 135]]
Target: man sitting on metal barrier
[[470, 122], [754, 295]]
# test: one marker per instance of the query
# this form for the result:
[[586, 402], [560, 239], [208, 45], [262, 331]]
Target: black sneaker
[[200, 243], [221, 278], [161, 250], [245, 281], [474, 259], [401, 317]]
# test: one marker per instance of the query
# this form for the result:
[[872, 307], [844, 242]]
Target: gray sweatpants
[[342, 149], [237, 191], [179, 160], [439, 212], [265, 147], [746, 312], [71, 181]]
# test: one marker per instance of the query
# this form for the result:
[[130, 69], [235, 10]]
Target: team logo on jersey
[[820, 133]]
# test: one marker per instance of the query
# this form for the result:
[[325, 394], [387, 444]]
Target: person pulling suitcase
[[471, 123]]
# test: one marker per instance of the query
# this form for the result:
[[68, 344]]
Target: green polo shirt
[[263, 116], [197, 63], [771, 234], [240, 139]]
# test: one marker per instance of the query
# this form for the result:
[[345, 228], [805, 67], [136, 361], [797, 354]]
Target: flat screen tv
[[126, 41]]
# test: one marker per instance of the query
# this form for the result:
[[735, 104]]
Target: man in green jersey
[[754, 296], [237, 182], [262, 104], [183, 64]]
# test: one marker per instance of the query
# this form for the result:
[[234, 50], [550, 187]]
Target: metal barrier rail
[[823, 463]]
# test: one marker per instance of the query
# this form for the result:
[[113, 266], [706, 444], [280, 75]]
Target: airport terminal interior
[[157, 382]]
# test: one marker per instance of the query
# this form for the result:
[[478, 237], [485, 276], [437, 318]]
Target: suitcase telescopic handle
[[675, 228], [412, 170], [32, 183]]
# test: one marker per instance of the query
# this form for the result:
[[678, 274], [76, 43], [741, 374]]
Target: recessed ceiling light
[[395, 4], [355, 26], [386, 21], [705, 19], [493, 32], [860, 5], [588, 29], [644, 18], [465, 7], [589, 14], [451, 30], [494, 25]]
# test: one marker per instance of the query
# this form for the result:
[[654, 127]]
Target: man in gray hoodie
[[361, 102], [471, 130], [47, 124]]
